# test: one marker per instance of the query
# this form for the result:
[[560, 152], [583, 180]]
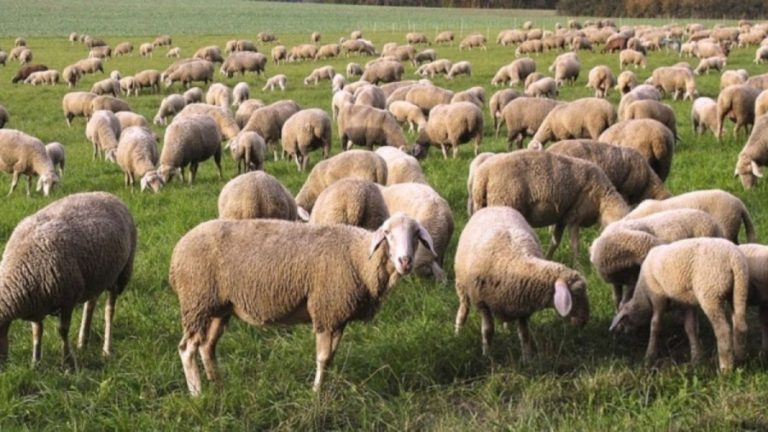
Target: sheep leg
[[653, 340], [109, 313], [618, 295], [297, 160], [461, 313], [692, 331], [192, 172], [208, 349], [717, 316], [456, 151], [763, 330], [305, 162], [29, 185], [554, 241], [527, 346], [217, 161], [445, 152], [486, 329], [573, 231], [37, 338], [14, 182], [324, 344], [85, 325], [65, 317], [4, 341], [438, 273], [187, 349]]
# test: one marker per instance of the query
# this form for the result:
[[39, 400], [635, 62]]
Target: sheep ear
[[562, 298], [618, 320], [303, 214], [378, 238], [756, 170], [426, 240]]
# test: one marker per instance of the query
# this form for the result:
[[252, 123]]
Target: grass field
[[405, 370]]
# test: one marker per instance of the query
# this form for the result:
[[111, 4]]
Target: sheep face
[[152, 180], [46, 182], [401, 234], [748, 172], [575, 293], [632, 314]]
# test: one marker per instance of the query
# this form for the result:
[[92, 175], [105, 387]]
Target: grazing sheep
[[566, 68], [623, 245], [304, 131], [758, 282], [649, 108], [427, 96], [321, 73], [534, 46], [428, 208], [627, 169], [193, 95], [265, 37], [256, 195], [361, 273], [649, 137], [149, 78], [428, 55], [90, 65], [384, 71], [338, 83], [367, 126], [268, 121], [370, 95], [500, 270], [401, 167], [707, 64], [128, 119], [58, 156], [358, 47], [761, 104], [510, 37], [415, 38], [50, 77], [702, 271], [352, 163], [25, 56], [163, 40], [632, 57], [210, 53], [248, 150], [406, 112], [242, 62], [523, 116], [62, 255], [174, 52], [279, 53], [736, 102], [218, 95], [3, 57], [76, 104], [108, 103], [350, 201], [704, 115], [544, 88], [101, 52], [498, 101], [146, 49], [753, 155], [279, 80], [444, 37], [641, 92], [170, 106], [448, 126], [354, 69], [129, 85], [302, 52], [137, 156], [25, 71], [245, 110], [103, 131], [547, 188], [328, 51], [188, 141], [22, 154], [459, 68], [123, 48], [187, 72], [581, 118], [106, 86], [676, 81], [315, 37], [626, 82], [436, 67], [473, 40], [601, 79], [240, 93], [514, 72]]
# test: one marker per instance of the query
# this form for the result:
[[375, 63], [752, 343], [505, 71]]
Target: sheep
[[649, 108], [3, 57], [514, 72], [545, 87], [108, 103], [601, 79], [761, 55], [187, 72], [189, 141], [753, 155], [350, 201], [162, 40], [361, 274], [401, 167], [436, 67], [352, 163], [240, 93], [581, 118], [248, 150], [22, 154], [632, 57], [354, 69], [427, 207], [736, 102], [626, 81], [675, 81], [328, 51], [149, 78], [427, 96], [428, 55], [106, 86], [728, 210], [385, 71], [530, 46], [278, 54], [707, 64], [641, 92], [218, 95], [245, 110], [128, 119], [498, 101], [128, 85], [510, 37], [315, 37], [302, 52], [137, 156], [547, 188], [566, 68], [170, 106], [123, 48], [338, 83], [25, 56], [704, 115], [649, 137], [627, 169], [146, 49], [415, 38], [66, 253], [256, 195], [101, 52], [4, 116], [761, 104], [758, 81], [358, 47], [532, 78], [76, 104], [523, 116], [174, 52], [268, 121], [448, 126], [321, 73], [400, 53], [193, 95], [581, 43], [406, 112], [500, 269], [242, 62], [266, 37], [622, 247], [700, 271], [304, 131], [25, 71], [279, 80], [49, 76], [367, 126], [210, 53], [756, 256], [473, 40], [103, 131], [90, 65]]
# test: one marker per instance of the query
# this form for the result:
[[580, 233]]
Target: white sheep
[[218, 95], [170, 106], [22, 154], [279, 80], [459, 68], [137, 156], [448, 126], [103, 131], [241, 92], [248, 150], [401, 167], [189, 141], [58, 156], [304, 131], [406, 112], [255, 195], [321, 73], [350, 201]]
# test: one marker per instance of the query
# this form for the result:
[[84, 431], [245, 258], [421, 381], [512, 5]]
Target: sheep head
[[401, 234], [46, 182], [570, 299], [153, 180], [748, 171]]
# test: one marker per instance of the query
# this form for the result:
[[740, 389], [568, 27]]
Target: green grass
[[406, 369]]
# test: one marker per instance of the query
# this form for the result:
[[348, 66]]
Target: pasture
[[404, 370]]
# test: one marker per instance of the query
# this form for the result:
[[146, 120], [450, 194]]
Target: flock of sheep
[[376, 210]]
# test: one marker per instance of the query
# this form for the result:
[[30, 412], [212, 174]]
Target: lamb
[[137, 156], [367, 126], [25, 71], [66, 253], [500, 251], [354, 69], [729, 211], [352, 163], [623, 246], [76, 104], [210, 53], [514, 72], [170, 106], [601, 79], [753, 155], [523, 116], [189, 141], [675, 81], [350, 201], [174, 52], [473, 40], [448, 126], [498, 101], [361, 274], [627, 169], [225, 124], [427, 207], [304, 131], [279, 80], [707, 64], [106, 86], [649, 137], [58, 156], [245, 110], [22, 154], [547, 188], [123, 48], [193, 95], [383, 71], [401, 167], [701, 271], [406, 112], [428, 55], [128, 119], [278, 54], [652, 109], [736, 102], [268, 121], [459, 68], [436, 67], [4, 116], [581, 118], [626, 82], [318, 74], [103, 131], [256, 195], [218, 95], [108, 103], [248, 150], [149, 78], [49, 76], [240, 93], [545, 87], [146, 49], [704, 115], [566, 68], [632, 57], [427, 96]]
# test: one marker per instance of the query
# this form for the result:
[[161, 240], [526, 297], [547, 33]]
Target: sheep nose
[[405, 263]]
